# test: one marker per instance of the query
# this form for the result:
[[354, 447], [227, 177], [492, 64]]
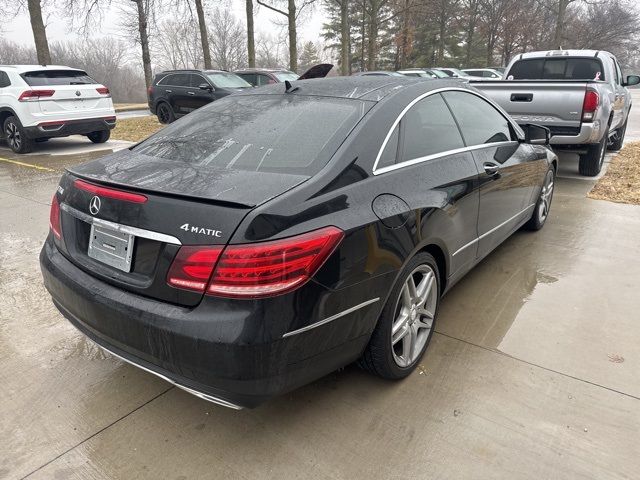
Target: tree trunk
[[251, 46], [39, 32], [204, 37], [562, 10], [442, 24], [143, 29], [293, 46], [363, 39], [471, 29], [345, 66], [373, 37]]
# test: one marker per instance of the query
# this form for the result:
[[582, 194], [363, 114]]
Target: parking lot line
[[22, 164]]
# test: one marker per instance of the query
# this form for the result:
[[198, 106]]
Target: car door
[[510, 171], [5, 83], [199, 97], [620, 105], [177, 86], [429, 166]]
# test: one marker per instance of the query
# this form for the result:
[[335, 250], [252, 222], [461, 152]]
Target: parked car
[[456, 73], [377, 73], [580, 95], [42, 102], [483, 73], [500, 70], [265, 76], [175, 93], [277, 234], [423, 72]]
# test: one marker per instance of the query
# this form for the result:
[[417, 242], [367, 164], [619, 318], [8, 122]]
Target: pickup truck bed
[[556, 105]]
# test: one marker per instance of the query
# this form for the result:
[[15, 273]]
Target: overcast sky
[[19, 29]]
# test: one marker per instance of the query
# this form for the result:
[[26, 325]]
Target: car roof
[[362, 87], [30, 68], [192, 70], [560, 53], [262, 70]]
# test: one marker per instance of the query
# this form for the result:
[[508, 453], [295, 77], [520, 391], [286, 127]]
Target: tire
[[592, 161], [100, 136], [618, 138], [396, 360], [15, 136], [543, 205], [165, 113]]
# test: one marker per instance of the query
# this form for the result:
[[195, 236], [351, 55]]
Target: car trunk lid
[[131, 244]]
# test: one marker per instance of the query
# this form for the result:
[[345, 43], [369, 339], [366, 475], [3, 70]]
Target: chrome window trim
[[331, 318], [138, 232], [388, 168], [489, 232]]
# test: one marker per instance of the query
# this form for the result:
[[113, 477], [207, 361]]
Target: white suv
[[41, 102]]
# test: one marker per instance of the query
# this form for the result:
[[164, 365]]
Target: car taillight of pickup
[[579, 95]]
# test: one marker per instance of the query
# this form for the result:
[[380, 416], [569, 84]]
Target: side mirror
[[205, 86], [536, 134], [631, 80]]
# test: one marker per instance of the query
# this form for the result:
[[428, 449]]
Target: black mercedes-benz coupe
[[283, 232]]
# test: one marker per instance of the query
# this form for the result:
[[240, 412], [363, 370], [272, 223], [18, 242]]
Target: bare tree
[[204, 36], [291, 14], [176, 45], [227, 40], [38, 27], [251, 46]]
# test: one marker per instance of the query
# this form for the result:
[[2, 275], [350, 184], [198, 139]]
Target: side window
[[249, 77], [390, 152], [181, 80], [168, 80], [264, 80], [197, 80], [428, 128], [619, 78], [4, 80], [479, 121]]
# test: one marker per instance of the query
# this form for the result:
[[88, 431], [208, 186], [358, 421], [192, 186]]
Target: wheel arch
[[440, 257], [6, 112]]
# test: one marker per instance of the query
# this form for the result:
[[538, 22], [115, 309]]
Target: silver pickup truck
[[579, 95]]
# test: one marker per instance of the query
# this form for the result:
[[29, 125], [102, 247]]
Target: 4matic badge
[[201, 230]]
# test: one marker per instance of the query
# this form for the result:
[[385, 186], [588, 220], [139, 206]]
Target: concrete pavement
[[534, 371]]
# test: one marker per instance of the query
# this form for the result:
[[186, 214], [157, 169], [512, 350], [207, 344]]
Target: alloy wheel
[[163, 113], [13, 136], [415, 311], [545, 196]]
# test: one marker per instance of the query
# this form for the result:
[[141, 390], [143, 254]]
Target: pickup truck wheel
[[543, 205], [100, 136], [618, 138], [592, 161], [15, 135]]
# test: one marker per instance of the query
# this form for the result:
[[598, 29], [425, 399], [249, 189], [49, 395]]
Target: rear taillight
[[31, 95], [590, 105], [149, 91], [192, 267], [54, 217], [256, 270], [110, 192], [103, 91]]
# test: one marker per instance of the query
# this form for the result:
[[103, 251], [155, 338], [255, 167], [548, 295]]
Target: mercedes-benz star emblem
[[78, 93], [94, 205]]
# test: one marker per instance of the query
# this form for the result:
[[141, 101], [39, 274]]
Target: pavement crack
[[492, 350], [97, 433]]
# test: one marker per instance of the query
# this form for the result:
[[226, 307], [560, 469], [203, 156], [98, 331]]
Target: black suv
[[175, 93]]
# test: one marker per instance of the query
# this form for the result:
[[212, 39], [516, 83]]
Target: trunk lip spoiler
[[138, 232]]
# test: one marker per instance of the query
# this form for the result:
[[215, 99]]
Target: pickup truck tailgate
[[555, 105]]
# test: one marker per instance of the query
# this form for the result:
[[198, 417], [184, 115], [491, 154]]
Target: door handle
[[491, 168], [191, 93], [168, 91]]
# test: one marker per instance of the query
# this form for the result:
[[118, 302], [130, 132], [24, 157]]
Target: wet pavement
[[534, 371]]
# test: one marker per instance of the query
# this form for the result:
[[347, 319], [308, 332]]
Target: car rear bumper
[[227, 353], [589, 133], [64, 128]]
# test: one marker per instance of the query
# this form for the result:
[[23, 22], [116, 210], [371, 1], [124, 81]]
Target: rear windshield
[[42, 78], [265, 133], [282, 76], [227, 80], [557, 69]]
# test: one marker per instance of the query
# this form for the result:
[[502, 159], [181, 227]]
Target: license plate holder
[[111, 247]]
